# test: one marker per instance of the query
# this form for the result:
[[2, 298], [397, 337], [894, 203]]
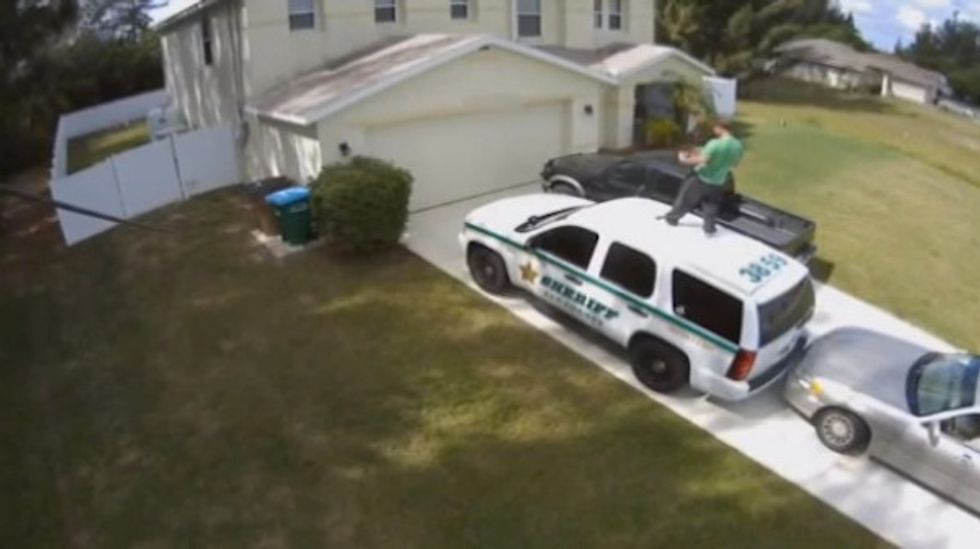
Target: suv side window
[[632, 270], [707, 306], [572, 244]]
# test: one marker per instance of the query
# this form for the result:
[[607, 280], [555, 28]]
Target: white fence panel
[[94, 188], [147, 178], [723, 93], [207, 159]]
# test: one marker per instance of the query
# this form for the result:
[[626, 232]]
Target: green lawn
[[87, 150], [183, 390], [900, 230]]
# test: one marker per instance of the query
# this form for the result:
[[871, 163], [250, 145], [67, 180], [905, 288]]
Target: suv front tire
[[488, 269]]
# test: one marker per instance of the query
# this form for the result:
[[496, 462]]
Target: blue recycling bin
[[292, 207]]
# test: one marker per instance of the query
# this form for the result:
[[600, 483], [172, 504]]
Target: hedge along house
[[471, 96]]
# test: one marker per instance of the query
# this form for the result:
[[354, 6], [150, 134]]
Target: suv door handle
[[573, 279], [638, 311]]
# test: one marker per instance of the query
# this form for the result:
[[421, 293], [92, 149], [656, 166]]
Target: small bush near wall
[[663, 134], [362, 206]]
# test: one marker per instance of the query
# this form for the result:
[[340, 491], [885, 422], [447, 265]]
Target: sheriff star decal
[[528, 273]]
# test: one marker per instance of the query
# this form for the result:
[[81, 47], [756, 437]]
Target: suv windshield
[[538, 221], [786, 311], [940, 383]]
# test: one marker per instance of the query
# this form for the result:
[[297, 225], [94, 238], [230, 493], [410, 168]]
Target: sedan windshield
[[940, 383]]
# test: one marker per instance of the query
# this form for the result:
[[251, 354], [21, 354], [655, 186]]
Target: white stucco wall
[[278, 149], [205, 94], [483, 81], [274, 54], [911, 92]]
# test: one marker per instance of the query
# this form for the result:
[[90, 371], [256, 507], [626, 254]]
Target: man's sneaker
[[710, 230], [670, 221]]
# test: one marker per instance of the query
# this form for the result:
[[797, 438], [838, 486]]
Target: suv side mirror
[[932, 428]]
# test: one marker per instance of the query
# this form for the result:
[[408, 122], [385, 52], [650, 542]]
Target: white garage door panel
[[458, 156]]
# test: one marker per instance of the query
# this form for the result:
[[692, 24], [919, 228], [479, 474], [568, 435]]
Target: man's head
[[721, 126]]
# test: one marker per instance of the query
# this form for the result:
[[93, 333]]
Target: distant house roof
[[835, 54], [622, 59], [321, 93]]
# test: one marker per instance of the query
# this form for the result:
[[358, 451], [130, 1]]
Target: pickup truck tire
[[560, 187], [659, 366], [487, 269]]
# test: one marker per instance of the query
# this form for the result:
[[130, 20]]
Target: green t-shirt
[[722, 154]]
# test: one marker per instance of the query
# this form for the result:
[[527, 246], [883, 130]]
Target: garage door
[[453, 157]]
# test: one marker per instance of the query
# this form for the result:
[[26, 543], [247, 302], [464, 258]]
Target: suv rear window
[[782, 313], [707, 306]]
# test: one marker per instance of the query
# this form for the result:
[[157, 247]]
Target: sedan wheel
[[842, 431]]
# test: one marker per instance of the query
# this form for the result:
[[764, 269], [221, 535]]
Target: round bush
[[362, 206]]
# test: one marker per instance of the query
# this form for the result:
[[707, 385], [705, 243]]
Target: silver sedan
[[914, 409]]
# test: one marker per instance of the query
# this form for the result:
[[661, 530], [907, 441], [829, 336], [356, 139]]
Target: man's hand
[[691, 157]]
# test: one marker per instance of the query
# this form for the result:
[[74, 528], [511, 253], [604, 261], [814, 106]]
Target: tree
[[952, 48], [126, 19], [733, 35]]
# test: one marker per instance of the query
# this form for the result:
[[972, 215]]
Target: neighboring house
[[837, 65], [470, 95]]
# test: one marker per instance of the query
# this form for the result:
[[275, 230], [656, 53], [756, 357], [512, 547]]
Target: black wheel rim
[[484, 270]]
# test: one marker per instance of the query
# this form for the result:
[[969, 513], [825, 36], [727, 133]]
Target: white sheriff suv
[[724, 313]]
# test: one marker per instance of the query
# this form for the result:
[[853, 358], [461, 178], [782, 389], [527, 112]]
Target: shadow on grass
[[786, 91]]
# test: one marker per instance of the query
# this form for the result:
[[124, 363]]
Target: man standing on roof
[[713, 165]]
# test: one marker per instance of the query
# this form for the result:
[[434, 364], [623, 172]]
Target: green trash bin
[[292, 206]]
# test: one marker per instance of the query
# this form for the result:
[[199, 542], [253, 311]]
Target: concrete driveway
[[762, 428]]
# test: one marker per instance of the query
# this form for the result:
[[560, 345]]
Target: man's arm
[[694, 157]]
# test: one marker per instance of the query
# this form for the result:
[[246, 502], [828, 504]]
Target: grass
[[181, 389], [88, 150], [899, 229]]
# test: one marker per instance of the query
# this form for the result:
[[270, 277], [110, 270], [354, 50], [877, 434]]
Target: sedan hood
[[503, 216], [868, 362]]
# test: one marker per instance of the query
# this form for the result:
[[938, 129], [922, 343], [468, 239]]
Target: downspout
[[235, 33]]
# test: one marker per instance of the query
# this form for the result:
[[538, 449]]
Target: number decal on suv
[[763, 268]]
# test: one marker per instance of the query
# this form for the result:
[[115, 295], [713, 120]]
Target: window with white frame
[[385, 11], [459, 9], [615, 14], [528, 18], [302, 14], [597, 14]]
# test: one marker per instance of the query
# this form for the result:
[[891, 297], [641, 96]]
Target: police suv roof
[[719, 258]]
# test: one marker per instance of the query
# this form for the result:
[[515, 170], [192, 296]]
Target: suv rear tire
[[659, 366], [488, 269], [842, 431]]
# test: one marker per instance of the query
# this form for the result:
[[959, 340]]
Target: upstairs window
[[528, 18], [597, 14], [459, 9], [615, 14], [206, 42], [302, 14], [385, 11]]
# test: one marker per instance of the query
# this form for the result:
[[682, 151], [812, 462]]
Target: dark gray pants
[[694, 193]]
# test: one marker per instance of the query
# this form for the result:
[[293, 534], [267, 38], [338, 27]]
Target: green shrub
[[361, 206], [662, 134]]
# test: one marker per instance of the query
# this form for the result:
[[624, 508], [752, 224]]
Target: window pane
[[782, 313], [384, 15], [615, 22], [632, 270], [459, 11], [529, 25], [302, 21], [707, 306], [529, 6], [572, 244], [301, 6], [597, 10]]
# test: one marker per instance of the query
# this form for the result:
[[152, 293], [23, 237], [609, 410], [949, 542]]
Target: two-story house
[[470, 95]]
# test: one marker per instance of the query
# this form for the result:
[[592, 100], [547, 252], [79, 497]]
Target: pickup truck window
[[663, 186], [627, 174], [707, 306], [569, 243], [630, 269]]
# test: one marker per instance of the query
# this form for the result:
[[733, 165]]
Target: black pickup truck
[[658, 175]]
